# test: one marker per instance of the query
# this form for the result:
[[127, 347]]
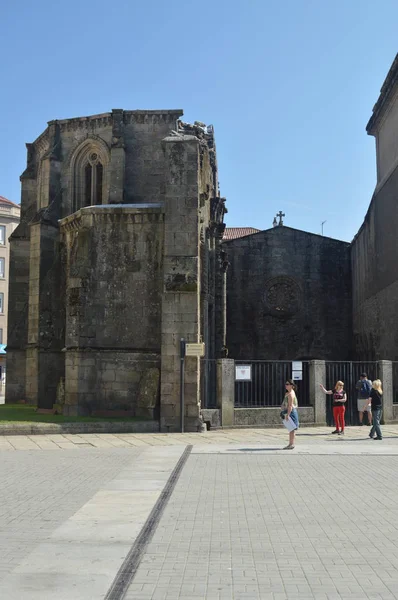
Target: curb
[[30, 428]]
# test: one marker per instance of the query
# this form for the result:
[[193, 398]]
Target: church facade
[[120, 254]]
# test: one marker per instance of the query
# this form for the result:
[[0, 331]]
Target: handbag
[[289, 424]]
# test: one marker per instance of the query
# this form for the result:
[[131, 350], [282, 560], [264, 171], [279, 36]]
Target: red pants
[[338, 415]]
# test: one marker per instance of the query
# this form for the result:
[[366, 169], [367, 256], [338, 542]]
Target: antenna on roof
[[322, 224]]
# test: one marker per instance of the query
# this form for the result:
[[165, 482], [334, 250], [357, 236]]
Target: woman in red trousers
[[339, 400]]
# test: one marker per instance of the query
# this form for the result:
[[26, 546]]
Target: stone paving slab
[[280, 526], [273, 438], [89, 536], [246, 520]]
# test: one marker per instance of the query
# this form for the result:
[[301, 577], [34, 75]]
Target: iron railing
[[209, 382], [349, 373], [395, 382], [267, 385]]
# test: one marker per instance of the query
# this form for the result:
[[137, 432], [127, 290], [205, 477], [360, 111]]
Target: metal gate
[[349, 373], [209, 382], [267, 385], [395, 382]]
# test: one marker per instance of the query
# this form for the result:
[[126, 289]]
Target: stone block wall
[[375, 277], [114, 294], [19, 287], [114, 277], [112, 380], [118, 251], [18, 316], [181, 281], [288, 296], [131, 142]]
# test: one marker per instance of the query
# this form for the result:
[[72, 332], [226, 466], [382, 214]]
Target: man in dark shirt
[[364, 386], [376, 401]]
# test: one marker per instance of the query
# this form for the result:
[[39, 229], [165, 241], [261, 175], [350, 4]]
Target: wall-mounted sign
[[297, 375], [297, 365], [243, 373], [195, 349]]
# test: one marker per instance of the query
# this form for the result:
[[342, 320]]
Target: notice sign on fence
[[243, 373], [297, 370]]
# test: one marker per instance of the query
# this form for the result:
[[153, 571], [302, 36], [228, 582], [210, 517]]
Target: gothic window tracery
[[89, 168]]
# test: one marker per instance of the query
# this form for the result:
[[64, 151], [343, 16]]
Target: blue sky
[[288, 85]]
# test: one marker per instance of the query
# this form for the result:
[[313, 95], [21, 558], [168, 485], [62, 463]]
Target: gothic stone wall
[[142, 167], [375, 277], [114, 287], [288, 296]]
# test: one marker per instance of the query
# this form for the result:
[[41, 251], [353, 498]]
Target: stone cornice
[[384, 100], [132, 213], [153, 117], [109, 119], [129, 116], [85, 123]]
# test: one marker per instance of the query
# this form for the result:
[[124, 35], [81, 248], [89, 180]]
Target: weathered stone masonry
[[115, 259], [288, 296]]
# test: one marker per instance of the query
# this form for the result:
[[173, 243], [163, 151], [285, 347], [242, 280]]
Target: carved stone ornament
[[282, 296]]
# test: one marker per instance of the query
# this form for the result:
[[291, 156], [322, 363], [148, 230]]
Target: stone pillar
[[19, 285], [386, 377], [18, 315], [45, 362], [226, 391], [317, 397], [118, 158], [181, 282]]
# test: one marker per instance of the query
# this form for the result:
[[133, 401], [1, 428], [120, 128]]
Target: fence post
[[226, 391], [317, 397], [385, 374]]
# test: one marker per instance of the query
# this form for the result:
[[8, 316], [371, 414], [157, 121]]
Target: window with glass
[[2, 235], [2, 268], [1, 302], [1, 336]]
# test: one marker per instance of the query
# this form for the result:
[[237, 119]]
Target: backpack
[[365, 388]]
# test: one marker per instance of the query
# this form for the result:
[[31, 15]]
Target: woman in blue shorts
[[289, 409]]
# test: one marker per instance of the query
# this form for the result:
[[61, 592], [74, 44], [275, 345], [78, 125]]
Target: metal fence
[[209, 382], [349, 373], [267, 385], [395, 382]]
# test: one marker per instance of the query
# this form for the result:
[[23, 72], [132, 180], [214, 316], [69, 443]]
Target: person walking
[[364, 386], [289, 408], [339, 400], [375, 400]]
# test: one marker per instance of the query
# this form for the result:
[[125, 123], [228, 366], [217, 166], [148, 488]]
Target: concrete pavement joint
[[132, 561]]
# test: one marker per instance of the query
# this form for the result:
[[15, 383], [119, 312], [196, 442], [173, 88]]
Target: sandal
[[289, 447]]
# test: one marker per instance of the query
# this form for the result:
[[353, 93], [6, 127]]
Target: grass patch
[[13, 413]]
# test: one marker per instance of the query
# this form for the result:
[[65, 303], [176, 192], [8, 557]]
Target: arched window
[[93, 180], [89, 170]]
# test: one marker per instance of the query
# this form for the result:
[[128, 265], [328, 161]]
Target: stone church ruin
[[122, 251]]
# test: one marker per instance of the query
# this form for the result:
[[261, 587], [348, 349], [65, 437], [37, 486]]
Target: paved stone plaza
[[245, 520]]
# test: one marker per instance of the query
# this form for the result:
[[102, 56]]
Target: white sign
[[297, 365], [243, 373], [195, 349], [297, 375]]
